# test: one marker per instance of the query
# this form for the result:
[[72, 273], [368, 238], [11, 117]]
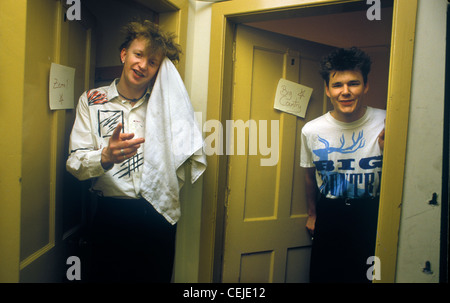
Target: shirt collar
[[113, 93]]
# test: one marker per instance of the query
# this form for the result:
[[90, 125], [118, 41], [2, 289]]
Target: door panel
[[265, 235], [47, 188]]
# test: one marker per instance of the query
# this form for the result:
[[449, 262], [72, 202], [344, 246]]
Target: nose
[[143, 64], [345, 90]]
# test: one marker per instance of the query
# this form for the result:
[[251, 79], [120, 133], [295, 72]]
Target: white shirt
[[347, 156], [98, 113]]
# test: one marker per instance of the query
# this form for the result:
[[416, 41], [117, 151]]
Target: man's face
[[346, 90], [140, 65]]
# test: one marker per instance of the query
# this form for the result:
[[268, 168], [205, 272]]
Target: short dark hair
[[342, 59], [158, 40]]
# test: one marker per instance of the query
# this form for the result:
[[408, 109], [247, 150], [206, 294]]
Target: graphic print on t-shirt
[[130, 165], [95, 97], [323, 152], [108, 121], [345, 171]]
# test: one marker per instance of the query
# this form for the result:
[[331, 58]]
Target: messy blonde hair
[[158, 41]]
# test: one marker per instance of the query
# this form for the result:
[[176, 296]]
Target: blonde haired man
[[130, 240]]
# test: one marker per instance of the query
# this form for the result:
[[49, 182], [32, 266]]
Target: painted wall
[[196, 82], [420, 221]]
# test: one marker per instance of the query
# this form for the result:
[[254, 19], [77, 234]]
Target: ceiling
[[342, 29]]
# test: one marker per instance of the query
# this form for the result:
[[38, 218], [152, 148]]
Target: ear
[[123, 54], [366, 87], [327, 91]]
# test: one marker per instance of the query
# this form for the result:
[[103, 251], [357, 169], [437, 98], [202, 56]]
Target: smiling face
[[346, 90], [140, 66]]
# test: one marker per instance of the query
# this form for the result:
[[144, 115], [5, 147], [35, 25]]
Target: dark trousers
[[344, 237], [131, 242]]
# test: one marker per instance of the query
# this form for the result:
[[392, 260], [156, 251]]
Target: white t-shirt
[[347, 157]]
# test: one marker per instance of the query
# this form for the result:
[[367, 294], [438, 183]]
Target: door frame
[[224, 16]]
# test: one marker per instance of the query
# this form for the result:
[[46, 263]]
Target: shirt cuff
[[95, 163]]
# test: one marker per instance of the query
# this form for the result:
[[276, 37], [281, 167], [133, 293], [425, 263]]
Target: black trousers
[[131, 242], [344, 238]]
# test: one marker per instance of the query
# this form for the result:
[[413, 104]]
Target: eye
[[354, 83], [154, 63]]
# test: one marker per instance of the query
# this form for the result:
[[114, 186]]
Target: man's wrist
[[107, 165]]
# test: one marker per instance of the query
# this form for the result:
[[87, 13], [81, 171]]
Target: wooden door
[[52, 207], [265, 235]]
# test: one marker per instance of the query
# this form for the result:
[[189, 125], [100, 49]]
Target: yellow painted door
[[265, 235], [51, 203]]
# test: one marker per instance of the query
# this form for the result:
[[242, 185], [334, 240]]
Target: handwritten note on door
[[292, 97], [61, 87]]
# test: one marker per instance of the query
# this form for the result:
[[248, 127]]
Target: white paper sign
[[292, 97], [61, 87]]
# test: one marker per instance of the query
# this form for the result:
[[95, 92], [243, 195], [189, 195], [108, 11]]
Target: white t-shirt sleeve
[[306, 159]]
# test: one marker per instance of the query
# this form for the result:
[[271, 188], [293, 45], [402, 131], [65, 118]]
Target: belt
[[349, 201]]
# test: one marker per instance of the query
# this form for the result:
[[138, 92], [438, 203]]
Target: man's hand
[[120, 147], [311, 190], [311, 224], [381, 140]]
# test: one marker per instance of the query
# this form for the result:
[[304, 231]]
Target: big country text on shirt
[[347, 157]]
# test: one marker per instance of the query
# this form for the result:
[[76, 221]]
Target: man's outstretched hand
[[121, 146]]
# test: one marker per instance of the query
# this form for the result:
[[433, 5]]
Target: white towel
[[172, 137]]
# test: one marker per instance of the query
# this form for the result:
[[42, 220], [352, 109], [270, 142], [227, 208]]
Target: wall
[[419, 238], [196, 82]]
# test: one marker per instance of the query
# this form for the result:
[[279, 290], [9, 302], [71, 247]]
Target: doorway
[[221, 90], [78, 204], [265, 201]]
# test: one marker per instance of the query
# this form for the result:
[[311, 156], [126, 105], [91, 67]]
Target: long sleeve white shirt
[[98, 113]]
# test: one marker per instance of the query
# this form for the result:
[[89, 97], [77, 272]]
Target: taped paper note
[[61, 87], [292, 97]]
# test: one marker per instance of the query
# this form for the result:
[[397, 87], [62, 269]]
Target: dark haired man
[[342, 154]]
